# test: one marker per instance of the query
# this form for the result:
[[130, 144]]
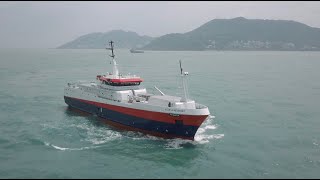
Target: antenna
[[184, 84], [115, 69], [180, 66], [111, 44]]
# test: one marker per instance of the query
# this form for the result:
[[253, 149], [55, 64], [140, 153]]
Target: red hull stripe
[[192, 120], [127, 80]]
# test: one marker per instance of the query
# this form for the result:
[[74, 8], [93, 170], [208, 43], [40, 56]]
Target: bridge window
[[121, 84]]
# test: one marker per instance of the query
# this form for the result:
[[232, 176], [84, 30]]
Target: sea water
[[264, 122]]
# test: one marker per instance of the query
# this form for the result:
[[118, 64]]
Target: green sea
[[264, 122]]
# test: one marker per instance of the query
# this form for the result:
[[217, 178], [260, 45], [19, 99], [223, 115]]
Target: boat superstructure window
[[121, 83]]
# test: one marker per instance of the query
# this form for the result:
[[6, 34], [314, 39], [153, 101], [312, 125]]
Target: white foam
[[81, 126], [203, 139], [176, 143], [102, 136], [198, 139], [200, 130], [98, 135], [97, 141], [70, 149], [201, 136], [60, 148], [210, 127], [152, 137], [208, 121], [144, 136], [218, 136]]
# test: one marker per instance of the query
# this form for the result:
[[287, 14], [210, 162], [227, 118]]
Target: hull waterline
[[123, 121]]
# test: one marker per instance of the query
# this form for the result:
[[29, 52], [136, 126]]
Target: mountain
[[242, 34], [100, 40]]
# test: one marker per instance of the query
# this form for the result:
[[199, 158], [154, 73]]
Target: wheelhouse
[[122, 81]]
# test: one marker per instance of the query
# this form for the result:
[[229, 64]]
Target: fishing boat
[[124, 103], [136, 51]]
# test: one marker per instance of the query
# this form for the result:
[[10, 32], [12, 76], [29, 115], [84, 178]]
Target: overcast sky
[[49, 24]]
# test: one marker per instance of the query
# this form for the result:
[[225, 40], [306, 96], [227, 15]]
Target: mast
[[115, 69], [184, 84]]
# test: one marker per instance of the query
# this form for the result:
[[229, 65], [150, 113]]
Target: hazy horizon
[[51, 24]]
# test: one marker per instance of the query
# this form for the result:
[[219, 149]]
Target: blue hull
[[125, 121]]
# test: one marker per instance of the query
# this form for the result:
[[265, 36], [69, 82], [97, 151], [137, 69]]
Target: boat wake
[[96, 137], [91, 135], [69, 149]]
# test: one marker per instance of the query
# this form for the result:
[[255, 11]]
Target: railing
[[128, 76], [122, 88]]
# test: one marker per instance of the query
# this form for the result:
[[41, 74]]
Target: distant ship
[[122, 102], [136, 51]]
